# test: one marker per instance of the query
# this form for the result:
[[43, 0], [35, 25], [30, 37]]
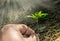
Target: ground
[[48, 31]]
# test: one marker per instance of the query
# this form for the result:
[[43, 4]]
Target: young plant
[[38, 15]]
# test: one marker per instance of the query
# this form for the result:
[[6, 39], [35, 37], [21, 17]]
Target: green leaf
[[34, 16]]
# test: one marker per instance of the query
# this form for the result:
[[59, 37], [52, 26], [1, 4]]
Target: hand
[[18, 32]]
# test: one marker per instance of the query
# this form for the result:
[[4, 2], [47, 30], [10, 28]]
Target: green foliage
[[40, 29], [38, 15]]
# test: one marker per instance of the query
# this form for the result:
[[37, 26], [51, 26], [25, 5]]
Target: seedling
[[38, 15]]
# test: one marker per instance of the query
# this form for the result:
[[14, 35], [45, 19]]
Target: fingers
[[21, 28], [32, 38], [29, 32], [24, 29]]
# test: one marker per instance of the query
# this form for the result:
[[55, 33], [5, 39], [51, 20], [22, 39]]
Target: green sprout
[[38, 15]]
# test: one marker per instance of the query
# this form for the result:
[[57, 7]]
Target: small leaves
[[38, 15], [34, 16]]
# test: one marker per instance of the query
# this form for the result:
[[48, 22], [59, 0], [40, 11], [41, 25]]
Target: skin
[[17, 32]]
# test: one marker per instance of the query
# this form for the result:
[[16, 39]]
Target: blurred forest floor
[[49, 32]]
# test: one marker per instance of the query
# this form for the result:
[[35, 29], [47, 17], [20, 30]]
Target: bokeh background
[[15, 11]]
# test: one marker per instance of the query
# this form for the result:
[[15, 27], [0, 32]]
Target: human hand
[[18, 32]]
